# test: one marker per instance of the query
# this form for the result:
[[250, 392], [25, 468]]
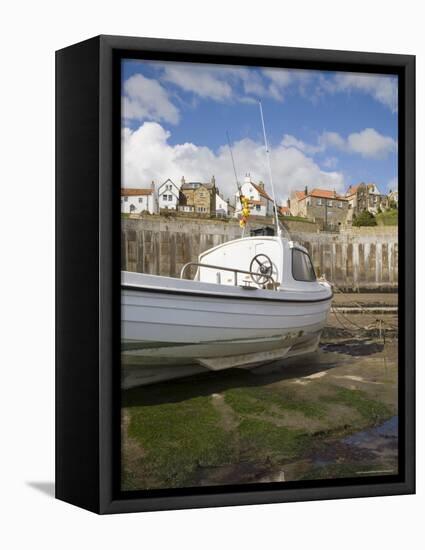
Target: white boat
[[252, 300]]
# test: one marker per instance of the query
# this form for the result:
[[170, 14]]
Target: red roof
[[127, 192], [284, 210], [352, 189], [319, 193], [261, 191]]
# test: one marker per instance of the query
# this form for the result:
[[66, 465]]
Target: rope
[[382, 322]]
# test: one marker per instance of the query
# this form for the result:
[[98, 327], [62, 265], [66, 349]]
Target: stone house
[[136, 201], [365, 196], [260, 202], [198, 197], [320, 205]]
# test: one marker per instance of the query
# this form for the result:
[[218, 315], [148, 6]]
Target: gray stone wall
[[363, 258]]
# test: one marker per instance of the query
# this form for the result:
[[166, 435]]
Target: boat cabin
[[257, 262]]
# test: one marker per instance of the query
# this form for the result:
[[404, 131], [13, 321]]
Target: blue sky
[[325, 129]]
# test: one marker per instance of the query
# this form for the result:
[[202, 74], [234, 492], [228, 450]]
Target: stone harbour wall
[[355, 259]]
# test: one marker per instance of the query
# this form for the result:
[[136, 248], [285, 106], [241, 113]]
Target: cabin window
[[302, 268]]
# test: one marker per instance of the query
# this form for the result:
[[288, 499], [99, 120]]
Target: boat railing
[[268, 278]]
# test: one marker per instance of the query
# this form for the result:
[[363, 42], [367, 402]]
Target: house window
[[170, 197], [164, 197], [258, 207], [308, 202], [329, 203], [140, 199], [340, 204], [125, 199], [319, 202], [132, 208]]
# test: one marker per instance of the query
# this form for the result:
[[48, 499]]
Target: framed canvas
[[235, 274]]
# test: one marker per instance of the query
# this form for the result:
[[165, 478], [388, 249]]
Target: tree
[[365, 218]]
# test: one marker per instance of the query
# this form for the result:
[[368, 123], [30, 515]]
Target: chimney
[[306, 190], [183, 180], [261, 185], [153, 185], [288, 202], [213, 180]]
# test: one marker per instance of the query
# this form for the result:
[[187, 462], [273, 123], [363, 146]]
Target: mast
[[233, 164], [236, 176], [278, 232]]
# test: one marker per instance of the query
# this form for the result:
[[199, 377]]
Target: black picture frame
[[88, 273]]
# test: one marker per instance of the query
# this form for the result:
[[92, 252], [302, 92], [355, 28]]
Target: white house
[[136, 201], [260, 203], [168, 195], [221, 206], [393, 197]]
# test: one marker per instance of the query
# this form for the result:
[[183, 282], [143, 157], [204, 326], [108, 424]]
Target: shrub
[[365, 218]]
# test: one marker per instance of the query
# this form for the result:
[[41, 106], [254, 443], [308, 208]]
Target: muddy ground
[[331, 414]]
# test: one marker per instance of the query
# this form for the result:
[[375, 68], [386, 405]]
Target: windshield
[[302, 268]]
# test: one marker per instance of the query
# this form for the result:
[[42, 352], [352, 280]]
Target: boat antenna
[[236, 176], [278, 231], [233, 164]]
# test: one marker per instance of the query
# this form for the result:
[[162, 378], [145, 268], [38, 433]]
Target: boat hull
[[191, 323]]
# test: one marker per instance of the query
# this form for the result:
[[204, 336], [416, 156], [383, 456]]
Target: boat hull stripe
[[138, 288]]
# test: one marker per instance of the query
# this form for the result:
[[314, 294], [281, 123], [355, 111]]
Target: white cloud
[[281, 79], [146, 98], [383, 88], [206, 82], [224, 83], [331, 140], [291, 141], [370, 143], [330, 162], [148, 155], [367, 143]]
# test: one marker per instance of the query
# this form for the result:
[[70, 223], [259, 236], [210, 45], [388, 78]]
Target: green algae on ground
[[259, 438], [256, 400], [177, 438], [372, 411], [236, 427]]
